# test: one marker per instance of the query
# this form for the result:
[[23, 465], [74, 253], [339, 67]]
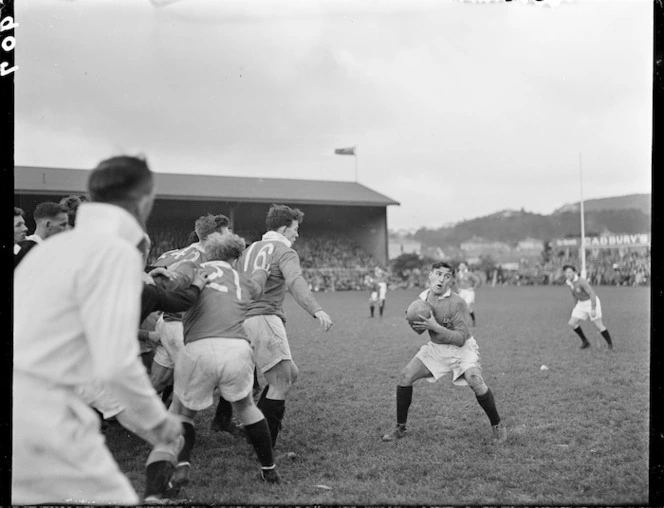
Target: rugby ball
[[416, 309]]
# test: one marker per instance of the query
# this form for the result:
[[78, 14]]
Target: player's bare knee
[[476, 382], [405, 377], [573, 323]]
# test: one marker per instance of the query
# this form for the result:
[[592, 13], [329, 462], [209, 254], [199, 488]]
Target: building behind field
[[334, 211]]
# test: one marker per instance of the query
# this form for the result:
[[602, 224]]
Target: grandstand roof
[[46, 180]]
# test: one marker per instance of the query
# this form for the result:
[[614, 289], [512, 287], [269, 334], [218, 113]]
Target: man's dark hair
[[120, 180], [47, 210], [71, 204], [442, 264], [18, 212], [565, 267], [192, 238], [282, 215], [207, 224]]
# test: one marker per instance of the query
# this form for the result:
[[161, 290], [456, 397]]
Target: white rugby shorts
[[468, 295], [268, 338], [374, 297], [382, 291], [206, 364], [582, 310], [171, 336], [442, 359]]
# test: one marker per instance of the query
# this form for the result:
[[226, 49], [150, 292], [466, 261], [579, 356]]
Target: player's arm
[[156, 298], [108, 291], [439, 334], [476, 280], [289, 264], [459, 333]]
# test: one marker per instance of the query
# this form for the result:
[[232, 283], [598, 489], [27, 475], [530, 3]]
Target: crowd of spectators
[[606, 267], [612, 267], [335, 263], [164, 240], [328, 263], [332, 252]]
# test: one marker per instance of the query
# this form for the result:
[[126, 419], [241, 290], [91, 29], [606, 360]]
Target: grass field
[[577, 432]]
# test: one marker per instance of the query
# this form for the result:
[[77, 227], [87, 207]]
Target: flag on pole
[[345, 151]]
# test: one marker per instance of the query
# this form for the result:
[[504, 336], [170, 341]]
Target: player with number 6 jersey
[[216, 355]]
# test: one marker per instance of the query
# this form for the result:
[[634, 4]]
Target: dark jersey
[[283, 264], [173, 258], [221, 307], [192, 255], [450, 311], [580, 289]]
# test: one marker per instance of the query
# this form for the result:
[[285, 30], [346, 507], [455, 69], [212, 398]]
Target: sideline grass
[[577, 432]]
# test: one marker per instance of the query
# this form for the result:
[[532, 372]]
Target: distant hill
[[633, 201], [630, 215]]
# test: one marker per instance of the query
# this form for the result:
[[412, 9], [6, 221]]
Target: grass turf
[[577, 432]]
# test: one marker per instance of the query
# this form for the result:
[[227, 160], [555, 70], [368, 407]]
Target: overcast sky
[[458, 110]]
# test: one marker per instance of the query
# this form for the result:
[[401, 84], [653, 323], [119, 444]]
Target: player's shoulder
[[455, 299]]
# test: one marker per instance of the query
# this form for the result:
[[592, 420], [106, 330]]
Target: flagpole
[[355, 156], [584, 272]]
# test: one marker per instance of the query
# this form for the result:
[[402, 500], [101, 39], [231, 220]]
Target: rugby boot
[[157, 480], [270, 475], [499, 433], [397, 433], [181, 475]]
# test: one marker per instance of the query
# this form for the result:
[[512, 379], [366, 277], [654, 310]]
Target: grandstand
[[345, 225]]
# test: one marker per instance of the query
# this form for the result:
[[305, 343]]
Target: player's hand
[[425, 323], [324, 320], [154, 337], [147, 279], [163, 271], [200, 279], [593, 313], [169, 429]]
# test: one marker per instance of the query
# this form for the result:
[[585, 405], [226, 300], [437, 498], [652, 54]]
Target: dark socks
[[404, 398], [580, 333], [168, 391], [371, 308], [259, 436], [157, 477], [273, 410], [189, 442], [472, 316], [224, 413], [607, 337], [380, 309], [489, 405]]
